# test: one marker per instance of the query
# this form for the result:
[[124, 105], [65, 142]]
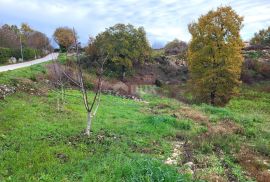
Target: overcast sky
[[163, 20]]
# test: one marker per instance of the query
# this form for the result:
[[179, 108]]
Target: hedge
[[5, 54], [28, 54]]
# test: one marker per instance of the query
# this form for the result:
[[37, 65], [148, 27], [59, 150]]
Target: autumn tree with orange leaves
[[214, 54], [64, 37]]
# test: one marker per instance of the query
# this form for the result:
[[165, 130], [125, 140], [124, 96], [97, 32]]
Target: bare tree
[[77, 79], [9, 36], [38, 40], [59, 81]]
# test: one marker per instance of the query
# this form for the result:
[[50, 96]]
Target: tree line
[[213, 55], [22, 42]]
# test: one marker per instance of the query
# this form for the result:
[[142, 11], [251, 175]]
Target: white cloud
[[163, 20]]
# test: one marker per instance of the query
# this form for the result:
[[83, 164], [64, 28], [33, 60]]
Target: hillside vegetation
[[117, 110], [157, 139]]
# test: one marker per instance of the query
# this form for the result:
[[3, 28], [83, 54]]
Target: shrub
[[264, 70], [176, 47], [28, 53], [254, 55], [158, 83], [5, 54], [253, 70]]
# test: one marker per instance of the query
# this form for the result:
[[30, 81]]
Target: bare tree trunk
[[212, 97], [58, 104], [21, 46], [79, 81], [123, 72], [89, 122], [63, 97]]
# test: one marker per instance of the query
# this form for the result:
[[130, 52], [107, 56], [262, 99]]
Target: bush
[[253, 70], [264, 70], [28, 53], [254, 54], [158, 83], [5, 54]]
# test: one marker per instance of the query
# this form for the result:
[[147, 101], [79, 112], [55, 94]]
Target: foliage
[[29, 53], [157, 53], [254, 54], [9, 36], [125, 46], [253, 69], [26, 29], [64, 38], [34, 43], [39, 41], [131, 139], [176, 47], [215, 56], [261, 38], [6, 53]]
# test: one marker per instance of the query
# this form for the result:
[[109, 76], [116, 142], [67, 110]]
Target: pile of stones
[[6, 90]]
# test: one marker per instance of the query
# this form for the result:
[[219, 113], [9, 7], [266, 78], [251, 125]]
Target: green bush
[[5, 54], [28, 54], [254, 55]]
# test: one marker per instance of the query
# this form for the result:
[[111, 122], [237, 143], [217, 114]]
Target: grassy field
[[132, 140], [127, 142]]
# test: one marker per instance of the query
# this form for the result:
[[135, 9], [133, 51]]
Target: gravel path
[[29, 63]]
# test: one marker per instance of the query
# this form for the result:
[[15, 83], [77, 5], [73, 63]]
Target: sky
[[163, 20]]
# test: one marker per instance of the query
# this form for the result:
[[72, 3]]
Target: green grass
[[252, 111], [39, 143], [130, 140], [62, 58], [8, 77]]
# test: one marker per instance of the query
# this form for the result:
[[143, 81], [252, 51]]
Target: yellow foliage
[[64, 37], [214, 54]]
